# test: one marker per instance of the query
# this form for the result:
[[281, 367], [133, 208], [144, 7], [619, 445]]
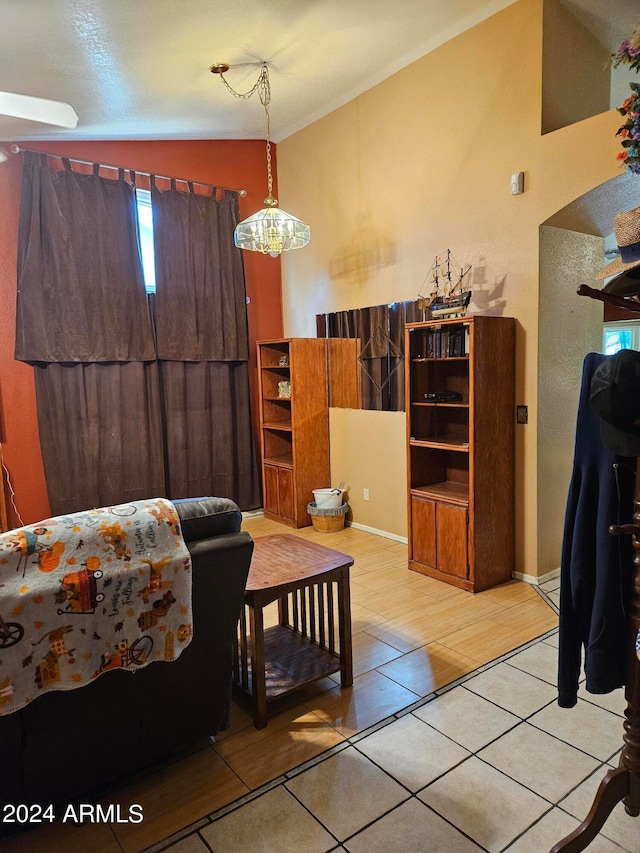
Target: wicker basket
[[327, 520]]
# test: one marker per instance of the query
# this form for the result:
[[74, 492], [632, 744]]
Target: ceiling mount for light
[[270, 230], [219, 68]]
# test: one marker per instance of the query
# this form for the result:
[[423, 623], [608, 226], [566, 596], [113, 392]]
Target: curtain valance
[[79, 270], [80, 273], [201, 310]]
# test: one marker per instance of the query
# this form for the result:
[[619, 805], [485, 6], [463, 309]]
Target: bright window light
[[145, 234], [617, 336]]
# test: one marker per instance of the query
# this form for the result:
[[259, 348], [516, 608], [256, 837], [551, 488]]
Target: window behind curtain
[[145, 236]]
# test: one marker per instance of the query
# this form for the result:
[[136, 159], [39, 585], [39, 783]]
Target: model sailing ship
[[447, 294]]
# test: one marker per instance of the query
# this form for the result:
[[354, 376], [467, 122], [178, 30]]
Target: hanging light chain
[[263, 87], [261, 83], [269, 175], [271, 230]]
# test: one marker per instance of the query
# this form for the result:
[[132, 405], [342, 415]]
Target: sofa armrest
[[201, 518]]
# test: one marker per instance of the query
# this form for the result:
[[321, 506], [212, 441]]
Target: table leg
[[344, 629], [258, 679], [283, 610], [242, 651]]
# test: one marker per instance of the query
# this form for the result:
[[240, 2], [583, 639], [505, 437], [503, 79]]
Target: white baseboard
[[532, 579], [377, 532], [539, 579], [550, 576], [259, 513]]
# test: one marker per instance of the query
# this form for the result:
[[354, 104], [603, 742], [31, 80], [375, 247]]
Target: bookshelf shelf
[[454, 492], [447, 443], [442, 358], [451, 405]]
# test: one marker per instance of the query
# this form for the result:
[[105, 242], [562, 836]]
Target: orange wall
[[238, 164]]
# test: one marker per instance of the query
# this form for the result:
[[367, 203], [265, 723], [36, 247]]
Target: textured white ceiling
[[140, 68]]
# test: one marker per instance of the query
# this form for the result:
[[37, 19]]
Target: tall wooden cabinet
[[460, 380], [294, 426]]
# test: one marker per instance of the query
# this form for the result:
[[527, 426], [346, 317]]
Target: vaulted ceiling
[[140, 69]]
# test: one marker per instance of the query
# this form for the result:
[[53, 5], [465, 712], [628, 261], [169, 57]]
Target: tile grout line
[[366, 732], [351, 741], [354, 739]]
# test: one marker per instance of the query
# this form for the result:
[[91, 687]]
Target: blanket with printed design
[[89, 592]]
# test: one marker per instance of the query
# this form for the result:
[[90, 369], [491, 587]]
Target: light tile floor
[[490, 764], [441, 745]]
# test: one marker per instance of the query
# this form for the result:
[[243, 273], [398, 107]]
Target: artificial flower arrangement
[[630, 130], [629, 51], [629, 54]]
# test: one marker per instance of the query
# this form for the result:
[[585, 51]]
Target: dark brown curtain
[[202, 340], [101, 433], [111, 426], [200, 294], [82, 320], [209, 439], [81, 294]]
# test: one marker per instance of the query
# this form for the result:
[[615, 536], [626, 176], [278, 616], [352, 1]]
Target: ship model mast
[[447, 296]]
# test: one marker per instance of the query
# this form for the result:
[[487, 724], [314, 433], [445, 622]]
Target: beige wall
[[420, 163], [568, 327], [381, 468], [576, 74]]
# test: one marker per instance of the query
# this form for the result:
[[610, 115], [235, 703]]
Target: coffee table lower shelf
[[291, 661]]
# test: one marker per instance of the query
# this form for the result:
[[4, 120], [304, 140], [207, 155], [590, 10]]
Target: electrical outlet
[[365, 494]]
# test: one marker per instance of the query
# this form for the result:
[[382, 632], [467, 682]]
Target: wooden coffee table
[[311, 585]]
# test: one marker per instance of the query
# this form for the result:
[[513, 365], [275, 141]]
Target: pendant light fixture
[[270, 230]]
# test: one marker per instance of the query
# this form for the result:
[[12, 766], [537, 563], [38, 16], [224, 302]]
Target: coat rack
[[621, 784], [619, 301]]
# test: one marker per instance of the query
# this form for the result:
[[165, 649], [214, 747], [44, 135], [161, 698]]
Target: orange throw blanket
[[86, 593]]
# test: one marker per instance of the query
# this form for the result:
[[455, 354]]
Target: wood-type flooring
[[411, 636]]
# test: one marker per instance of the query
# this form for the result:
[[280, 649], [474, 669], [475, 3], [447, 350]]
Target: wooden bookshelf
[[294, 429], [460, 452]]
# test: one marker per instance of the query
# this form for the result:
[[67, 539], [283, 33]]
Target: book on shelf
[[448, 343], [451, 342]]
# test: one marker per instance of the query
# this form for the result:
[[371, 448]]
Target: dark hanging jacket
[[596, 568]]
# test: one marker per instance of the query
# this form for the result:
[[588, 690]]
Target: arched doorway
[[572, 246]]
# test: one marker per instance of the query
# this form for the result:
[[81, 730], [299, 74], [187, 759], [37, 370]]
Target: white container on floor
[[328, 498]]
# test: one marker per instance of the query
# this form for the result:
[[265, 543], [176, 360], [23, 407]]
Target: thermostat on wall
[[517, 183]]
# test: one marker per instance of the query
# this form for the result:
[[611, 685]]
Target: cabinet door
[[270, 489], [423, 531], [285, 493], [278, 491], [451, 534]]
